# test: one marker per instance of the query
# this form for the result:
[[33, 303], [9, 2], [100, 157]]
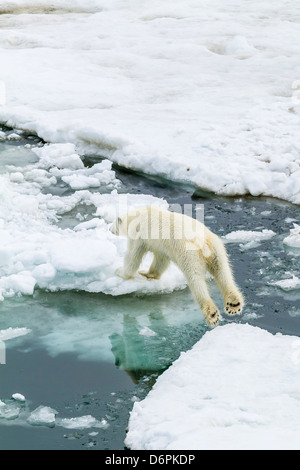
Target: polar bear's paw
[[211, 313], [149, 275], [120, 272], [234, 303]]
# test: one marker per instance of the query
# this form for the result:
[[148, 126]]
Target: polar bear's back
[[163, 229]]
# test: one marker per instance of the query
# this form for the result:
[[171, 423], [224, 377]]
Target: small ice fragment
[[18, 397], [9, 410], [42, 416], [293, 239], [147, 332], [14, 136], [82, 422]]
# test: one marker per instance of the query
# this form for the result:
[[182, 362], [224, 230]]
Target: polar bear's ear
[[119, 221]]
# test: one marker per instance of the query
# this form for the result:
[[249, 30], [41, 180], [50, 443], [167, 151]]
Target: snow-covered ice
[[186, 91], [237, 388]]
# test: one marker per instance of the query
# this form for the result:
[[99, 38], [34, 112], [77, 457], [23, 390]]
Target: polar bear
[[172, 236]]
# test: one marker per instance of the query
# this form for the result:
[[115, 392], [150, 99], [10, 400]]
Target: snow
[[237, 388], [187, 91]]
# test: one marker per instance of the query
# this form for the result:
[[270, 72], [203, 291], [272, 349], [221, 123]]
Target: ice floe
[[160, 88], [237, 388]]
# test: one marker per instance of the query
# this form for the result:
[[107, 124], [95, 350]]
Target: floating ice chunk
[[287, 284], [58, 155], [18, 397], [42, 416], [9, 410], [13, 136], [248, 238], [81, 181], [293, 239], [11, 333], [147, 332], [82, 422], [2, 136]]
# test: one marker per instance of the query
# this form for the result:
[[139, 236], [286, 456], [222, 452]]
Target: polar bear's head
[[129, 225], [116, 225]]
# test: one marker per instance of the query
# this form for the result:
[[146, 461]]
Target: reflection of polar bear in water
[[172, 236]]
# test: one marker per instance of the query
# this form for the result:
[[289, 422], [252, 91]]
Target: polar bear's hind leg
[[219, 266]]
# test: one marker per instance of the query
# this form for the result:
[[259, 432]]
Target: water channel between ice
[[92, 354]]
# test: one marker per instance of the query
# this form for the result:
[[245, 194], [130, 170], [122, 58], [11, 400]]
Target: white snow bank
[[238, 388], [193, 92], [293, 239], [248, 238]]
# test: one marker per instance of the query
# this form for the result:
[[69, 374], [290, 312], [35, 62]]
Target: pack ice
[[237, 388], [186, 91]]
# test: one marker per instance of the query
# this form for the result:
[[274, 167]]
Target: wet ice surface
[[88, 356]]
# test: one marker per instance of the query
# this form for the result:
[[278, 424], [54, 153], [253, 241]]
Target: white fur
[[189, 244]]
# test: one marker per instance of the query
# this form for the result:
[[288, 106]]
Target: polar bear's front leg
[[133, 258], [219, 266]]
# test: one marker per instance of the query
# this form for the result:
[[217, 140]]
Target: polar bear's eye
[[119, 220]]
